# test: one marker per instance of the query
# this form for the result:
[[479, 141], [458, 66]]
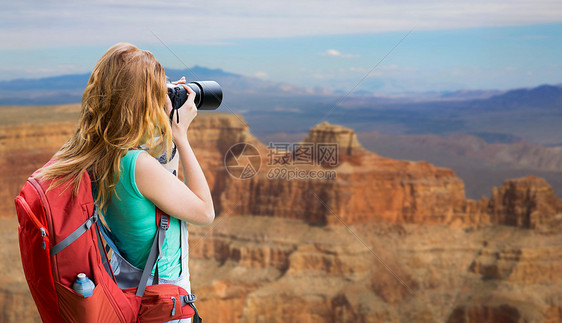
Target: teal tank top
[[132, 220]]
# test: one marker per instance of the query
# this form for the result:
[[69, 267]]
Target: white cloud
[[335, 53], [261, 75], [358, 69], [40, 24], [286, 109], [16, 72]]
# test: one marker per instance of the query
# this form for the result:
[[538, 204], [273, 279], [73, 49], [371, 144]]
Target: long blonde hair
[[123, 106]]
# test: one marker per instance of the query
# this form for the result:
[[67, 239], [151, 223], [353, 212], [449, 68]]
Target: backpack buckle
[[164, 221], [189, 298]]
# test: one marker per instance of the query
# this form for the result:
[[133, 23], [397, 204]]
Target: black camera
[[209, 95]]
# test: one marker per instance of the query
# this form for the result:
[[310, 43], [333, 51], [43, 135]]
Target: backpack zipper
[[174, 306], [43, 235], [35, 220]]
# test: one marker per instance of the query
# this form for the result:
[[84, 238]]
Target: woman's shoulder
[[134, 153], [129, 162], [146, 166], [143, 159]]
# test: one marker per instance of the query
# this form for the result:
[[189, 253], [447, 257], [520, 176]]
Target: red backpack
[[59, 238]]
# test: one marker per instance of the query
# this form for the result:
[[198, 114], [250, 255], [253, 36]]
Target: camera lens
[[208, 95]]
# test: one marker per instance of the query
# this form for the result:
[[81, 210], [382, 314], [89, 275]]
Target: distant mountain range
[[544, 96], [68, 88], [533, 114]]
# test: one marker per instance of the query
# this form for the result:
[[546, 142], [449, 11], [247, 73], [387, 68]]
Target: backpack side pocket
[[161, 303], [34, 248], [74, 307]]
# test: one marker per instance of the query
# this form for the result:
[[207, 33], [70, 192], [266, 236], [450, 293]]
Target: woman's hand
[[187, 113]]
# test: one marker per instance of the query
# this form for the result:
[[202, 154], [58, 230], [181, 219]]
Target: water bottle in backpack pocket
[[83, 285]]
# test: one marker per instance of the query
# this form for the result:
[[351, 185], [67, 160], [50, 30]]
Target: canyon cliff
[[381, 240]]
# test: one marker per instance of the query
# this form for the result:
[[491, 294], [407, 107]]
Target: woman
[[125, 106]]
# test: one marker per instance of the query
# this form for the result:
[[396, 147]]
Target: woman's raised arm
[[190, 201]]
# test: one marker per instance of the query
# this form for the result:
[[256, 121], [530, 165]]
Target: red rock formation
[[366, 188], [527, 202]]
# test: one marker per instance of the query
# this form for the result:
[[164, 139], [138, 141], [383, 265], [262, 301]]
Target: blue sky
[[450, 45]]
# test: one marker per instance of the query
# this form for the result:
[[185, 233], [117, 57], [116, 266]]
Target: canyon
[[481, 165], [385, 240]]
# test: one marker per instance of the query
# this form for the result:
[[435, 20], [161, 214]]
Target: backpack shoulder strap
[[155, 253]]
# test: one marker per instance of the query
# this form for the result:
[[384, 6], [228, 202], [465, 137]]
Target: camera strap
[[177, 115]]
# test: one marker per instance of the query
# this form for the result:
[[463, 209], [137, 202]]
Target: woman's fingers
[[189, 90], [181, 81], [190, 96]]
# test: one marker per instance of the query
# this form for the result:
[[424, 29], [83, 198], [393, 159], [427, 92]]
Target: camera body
[[208, 94]]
